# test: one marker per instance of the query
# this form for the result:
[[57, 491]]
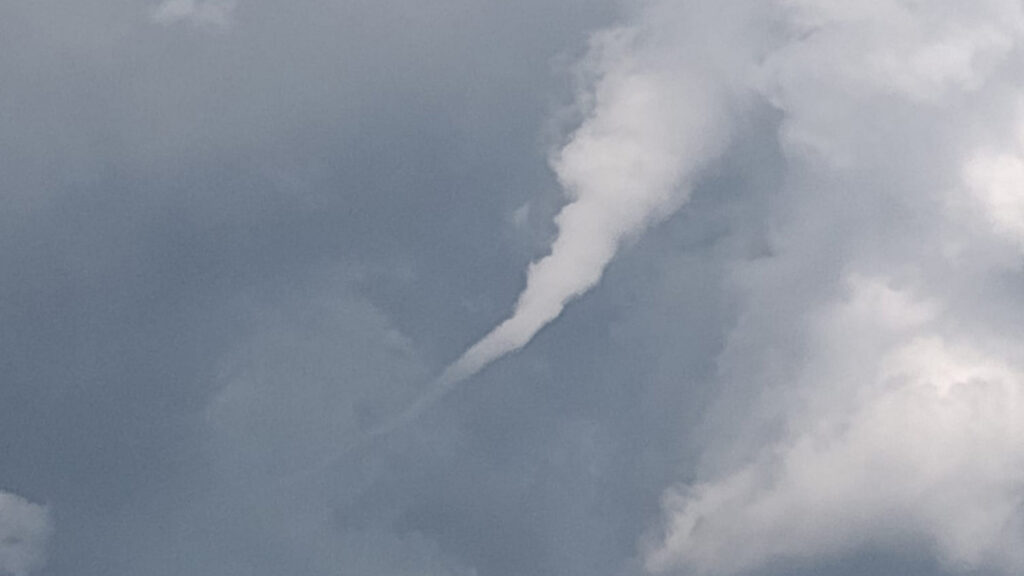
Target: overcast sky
[[494, 288]]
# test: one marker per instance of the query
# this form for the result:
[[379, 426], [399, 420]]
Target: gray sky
[[771, 324]]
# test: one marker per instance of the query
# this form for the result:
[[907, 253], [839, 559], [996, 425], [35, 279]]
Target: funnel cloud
[[243, 240], [647, 134]]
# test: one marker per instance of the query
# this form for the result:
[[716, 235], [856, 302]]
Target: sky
[[483, 288]]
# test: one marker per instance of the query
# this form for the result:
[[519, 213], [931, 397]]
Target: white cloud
[[24, 531], [996, 179], [930, 452], [886, 393], [204, 13]]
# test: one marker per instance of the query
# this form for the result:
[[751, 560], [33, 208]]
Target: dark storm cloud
[[159, 180], [237, 236]]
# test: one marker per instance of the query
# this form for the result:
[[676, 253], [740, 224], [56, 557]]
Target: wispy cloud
[[203, 13]]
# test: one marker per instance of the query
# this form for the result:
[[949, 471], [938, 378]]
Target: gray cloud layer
[[239, 237]]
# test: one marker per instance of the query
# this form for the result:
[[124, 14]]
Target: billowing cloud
[[24, 530], [917, 443], [886, 390], [996, 177]]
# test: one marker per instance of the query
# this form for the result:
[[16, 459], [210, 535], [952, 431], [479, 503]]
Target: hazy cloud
[[24, 530], [214, 13]]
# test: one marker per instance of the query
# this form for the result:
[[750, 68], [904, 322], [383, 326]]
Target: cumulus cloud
[[24, 530], [996, 177], [887, 392], [918, 443]]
